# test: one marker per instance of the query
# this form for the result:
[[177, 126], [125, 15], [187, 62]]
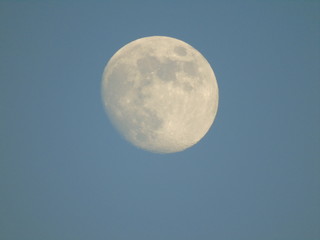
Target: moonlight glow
[[160, 93]]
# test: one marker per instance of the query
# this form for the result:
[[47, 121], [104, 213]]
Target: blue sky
[[65, 173]]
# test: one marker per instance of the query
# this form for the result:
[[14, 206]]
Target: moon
[[160, 93]]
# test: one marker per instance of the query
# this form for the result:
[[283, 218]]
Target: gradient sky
[[66, 174]]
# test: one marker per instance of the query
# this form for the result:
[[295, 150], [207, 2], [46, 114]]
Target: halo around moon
[[160, 93]]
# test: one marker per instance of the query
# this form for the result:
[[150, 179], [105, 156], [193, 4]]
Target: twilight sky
[[65, 173]]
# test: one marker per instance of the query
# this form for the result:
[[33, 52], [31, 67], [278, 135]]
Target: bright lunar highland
[[160, 93]]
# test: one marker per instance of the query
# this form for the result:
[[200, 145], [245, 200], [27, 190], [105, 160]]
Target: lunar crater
[[181, 51], [148, 64], [167, 70], [190, 68]]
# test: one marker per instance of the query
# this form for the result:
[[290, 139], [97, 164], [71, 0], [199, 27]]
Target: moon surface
[[160, 93]]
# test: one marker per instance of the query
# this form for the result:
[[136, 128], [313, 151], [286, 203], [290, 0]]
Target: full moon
[[160, 93]]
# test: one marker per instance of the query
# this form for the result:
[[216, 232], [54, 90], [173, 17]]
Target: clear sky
[[66, 174]]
